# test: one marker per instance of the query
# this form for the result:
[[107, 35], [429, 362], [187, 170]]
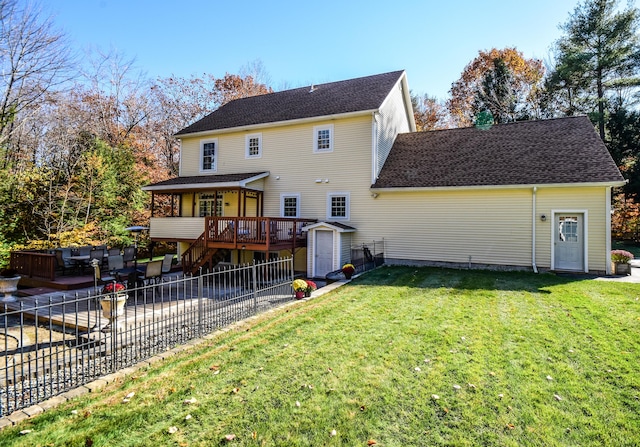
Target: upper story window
[[253, 145], [338, 206], [290, 205], [323, 138], [208, 155]]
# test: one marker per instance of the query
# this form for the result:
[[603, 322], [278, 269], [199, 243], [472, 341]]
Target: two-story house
[[308, 172]]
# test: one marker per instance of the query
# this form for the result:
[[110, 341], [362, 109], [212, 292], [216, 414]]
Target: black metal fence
[[367, 256], [60, 342]]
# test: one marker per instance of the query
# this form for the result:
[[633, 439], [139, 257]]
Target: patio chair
[[63, 262], [167, 262], [129, 254], [115, 262], [153, 272], [98, 255], [114, 252], [85, 251]]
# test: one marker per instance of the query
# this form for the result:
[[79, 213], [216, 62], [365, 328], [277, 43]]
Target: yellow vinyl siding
[[491, 227], [593, 200], [287, 152]]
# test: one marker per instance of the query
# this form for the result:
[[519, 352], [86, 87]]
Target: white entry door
[[323, 259], [569, 242]]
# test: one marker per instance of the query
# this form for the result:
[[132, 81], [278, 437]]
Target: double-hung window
[[253, 146], [338, 206], [290, 205], [323, 138], [208, 155]]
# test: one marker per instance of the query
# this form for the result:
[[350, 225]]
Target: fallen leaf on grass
[[214, 367], [298, 403], [189, 401], [457, 387], [417, 368], [229, 437], [172, 430], [549, 378], [557, 397], [371, 442], [435, 397], [187, 417], [333, 433], [25, 432], [511, 426], [235, 390]]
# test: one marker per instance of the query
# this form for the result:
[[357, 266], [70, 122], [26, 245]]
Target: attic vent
[[312, 89]]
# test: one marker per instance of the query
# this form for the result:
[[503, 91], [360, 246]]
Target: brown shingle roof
[[202, 181], [556, 151], [353, 95]]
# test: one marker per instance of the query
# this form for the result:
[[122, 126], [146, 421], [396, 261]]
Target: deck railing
[[73, 347], [264, 231], [33, 264]]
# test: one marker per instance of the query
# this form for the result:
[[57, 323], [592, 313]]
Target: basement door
[[323, 261], [569, 242]]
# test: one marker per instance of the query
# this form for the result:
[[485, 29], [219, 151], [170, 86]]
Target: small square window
[[338, 206], [290, 205], [323, 138], [254, 146]]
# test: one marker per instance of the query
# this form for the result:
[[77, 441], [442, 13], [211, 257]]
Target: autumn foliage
[[527, 75]]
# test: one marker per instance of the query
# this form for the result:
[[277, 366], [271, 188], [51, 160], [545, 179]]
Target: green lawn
[[399, 357]]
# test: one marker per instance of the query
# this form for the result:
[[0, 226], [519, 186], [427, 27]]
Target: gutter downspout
[[533, 230]]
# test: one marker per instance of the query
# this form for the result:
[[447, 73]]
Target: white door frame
[[585, 237], [315, 249]]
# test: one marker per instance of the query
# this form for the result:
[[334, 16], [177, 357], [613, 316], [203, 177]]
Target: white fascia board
[[539, 186], [253, 127], [196, 186], [408, 108]]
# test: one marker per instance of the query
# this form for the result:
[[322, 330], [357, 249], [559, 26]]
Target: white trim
[[215, 155], [374, 147], [585, 237], [345, 194], [523, 186], [201, 186], [607, 220], [181, 158], [285, 195], [248, 138], [316, 130], [254, 127]]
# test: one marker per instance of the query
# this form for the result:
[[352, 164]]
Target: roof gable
[[555, 151], [334, 98]]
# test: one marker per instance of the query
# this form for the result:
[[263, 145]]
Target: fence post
[[200, 304], [254, 273]]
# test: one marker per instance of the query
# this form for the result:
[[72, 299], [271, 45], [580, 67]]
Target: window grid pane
[[339, 206], [290, 207], [208, 155], [254, 146], [324, 139]]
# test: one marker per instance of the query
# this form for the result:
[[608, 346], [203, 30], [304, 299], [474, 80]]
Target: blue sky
[[301, 42]]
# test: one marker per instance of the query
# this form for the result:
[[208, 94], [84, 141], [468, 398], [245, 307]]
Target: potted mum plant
[[299, 287], [9, 279], [348, 270], [620, 260], [112, 302], [311, 286]]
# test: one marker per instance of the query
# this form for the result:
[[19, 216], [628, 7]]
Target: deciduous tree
[[526, 81]]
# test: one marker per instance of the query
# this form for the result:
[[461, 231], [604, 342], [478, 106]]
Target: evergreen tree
[[598, 55]]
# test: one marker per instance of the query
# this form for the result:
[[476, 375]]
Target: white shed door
[[569, 242], [323, 253]]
